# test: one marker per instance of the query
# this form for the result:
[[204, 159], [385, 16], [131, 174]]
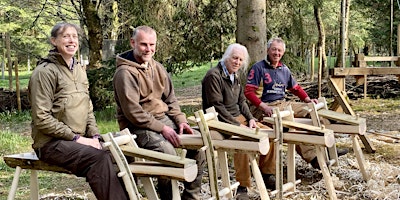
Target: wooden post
[[312, 62], [320, 72], [17, 85]]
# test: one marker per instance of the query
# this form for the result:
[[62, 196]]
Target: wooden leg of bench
[[14, 184], [333, 155], [325, 172], [291, 165], [34, 185], [258, 177], [360, 157], [176, 195], [149, 188], [224, 169]]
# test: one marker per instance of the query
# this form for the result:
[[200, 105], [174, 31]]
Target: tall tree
[[321, 36], [95, 34], [343, 35], [252, 27]]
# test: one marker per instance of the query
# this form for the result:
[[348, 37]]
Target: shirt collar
[[231, 76]]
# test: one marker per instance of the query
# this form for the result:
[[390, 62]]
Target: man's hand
[[171, 135], [185, 128], [252, 123], [266, 109], [94, 142], [308, 100]]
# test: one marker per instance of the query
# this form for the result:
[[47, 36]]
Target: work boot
[[269, 181], [241, 193]]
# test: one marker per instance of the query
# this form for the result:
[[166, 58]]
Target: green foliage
[[29, 24], [100, 88], [295, 63]]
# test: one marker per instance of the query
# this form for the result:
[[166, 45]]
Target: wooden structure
[[341, 105], [148, 163], [299, 133], [251, 141], [243, 140], [341, 123]]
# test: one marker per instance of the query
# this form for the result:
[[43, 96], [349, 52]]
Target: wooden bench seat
[[147, 164], [241, 139]]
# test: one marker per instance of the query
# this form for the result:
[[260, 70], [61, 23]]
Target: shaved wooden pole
[[320, 72], [312, 62]]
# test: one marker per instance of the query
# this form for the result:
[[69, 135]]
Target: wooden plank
[[246, 133], [369, 147], [349, 129], [233, 144], [380, 58], [31, 161], [304, 137], [298, 126], [340, 96], [360, 158], [144, 169], [171, 160], [339, 72], [341, 117]]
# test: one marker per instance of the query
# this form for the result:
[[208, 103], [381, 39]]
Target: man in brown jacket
[[146, 104], [221, 89]]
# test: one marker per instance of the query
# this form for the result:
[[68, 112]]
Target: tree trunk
[[251, 28], [9, 62], [95, 36], [321, 37], [339, 61]]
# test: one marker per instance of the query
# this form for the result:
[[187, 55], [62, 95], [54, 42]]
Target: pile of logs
[[8, 100], [383, 87]]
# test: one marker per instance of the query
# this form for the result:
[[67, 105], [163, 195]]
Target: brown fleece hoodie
[[144, 94]]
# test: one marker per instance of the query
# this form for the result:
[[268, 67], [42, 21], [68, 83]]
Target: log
[[31, 161]]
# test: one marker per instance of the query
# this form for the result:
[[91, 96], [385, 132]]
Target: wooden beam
[[153, 169], [380, 58], [230, 129], [341, 97], [31, 161], [339, 72], [341, 117], [163, 158], [313, 130], [233, 144]]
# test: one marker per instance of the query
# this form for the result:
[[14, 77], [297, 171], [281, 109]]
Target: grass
[[191, 77], [378, 105], [23, 77]]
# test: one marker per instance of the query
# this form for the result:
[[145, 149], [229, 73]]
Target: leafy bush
[[100, 88]]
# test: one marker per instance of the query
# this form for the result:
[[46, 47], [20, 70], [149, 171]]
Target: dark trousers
[[85, 161], [155, 141]]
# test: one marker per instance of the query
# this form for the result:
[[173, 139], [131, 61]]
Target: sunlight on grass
[[191, 77], [382, 105], [23, 77]]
